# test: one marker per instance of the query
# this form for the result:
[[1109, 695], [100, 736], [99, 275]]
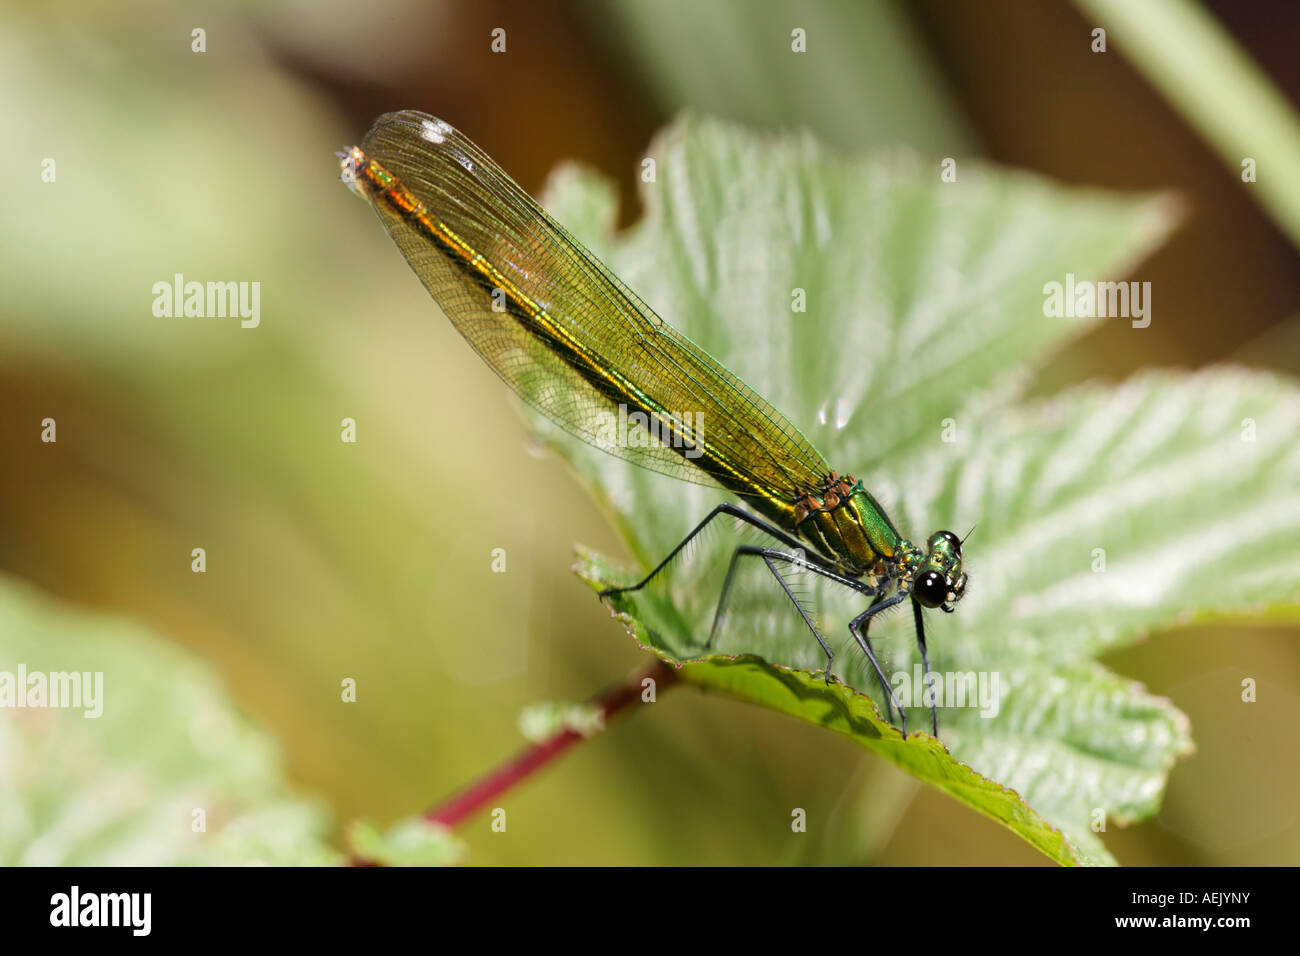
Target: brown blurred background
[[324, 562]]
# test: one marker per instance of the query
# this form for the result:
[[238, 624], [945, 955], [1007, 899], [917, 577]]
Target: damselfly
[[579, 346]]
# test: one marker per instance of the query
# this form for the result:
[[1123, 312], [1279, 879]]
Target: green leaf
[[410, 842], [837, 707], [122, 787], [926, 304]]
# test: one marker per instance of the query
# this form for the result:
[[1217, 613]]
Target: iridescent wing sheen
[[566, 334]]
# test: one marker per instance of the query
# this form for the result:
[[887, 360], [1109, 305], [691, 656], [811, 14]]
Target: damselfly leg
[[858, 628], [801, 558], [925, 665], [770, 556], [723, 509]]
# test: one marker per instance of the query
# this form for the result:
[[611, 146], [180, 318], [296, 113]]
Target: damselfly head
[[352, 162], [940, 581]]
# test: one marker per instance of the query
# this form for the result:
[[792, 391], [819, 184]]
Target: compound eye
[[953, 540], [931, 589]]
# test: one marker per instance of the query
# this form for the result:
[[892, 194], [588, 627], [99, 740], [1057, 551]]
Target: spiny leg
[[857, 629], [925, 664], [768, 554], [725, 508], [720, 612], [865, 643], [798, 559]]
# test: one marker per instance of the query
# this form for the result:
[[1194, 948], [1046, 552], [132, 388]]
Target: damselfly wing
[[578, 345]]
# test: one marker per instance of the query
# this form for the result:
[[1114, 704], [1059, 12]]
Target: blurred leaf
[[122, 788], [1218, 89], [410, 842], [926, 303], [866, 77]]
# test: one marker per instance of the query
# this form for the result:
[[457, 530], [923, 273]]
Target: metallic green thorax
[[842, 520]]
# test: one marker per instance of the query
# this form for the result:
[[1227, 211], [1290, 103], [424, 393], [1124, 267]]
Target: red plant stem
[[481, 793]]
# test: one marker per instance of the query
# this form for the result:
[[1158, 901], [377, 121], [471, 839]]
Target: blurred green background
[[373, 560]]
